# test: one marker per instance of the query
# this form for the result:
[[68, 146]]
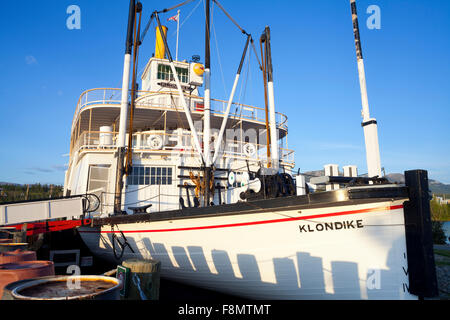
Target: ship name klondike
[[330, 226]]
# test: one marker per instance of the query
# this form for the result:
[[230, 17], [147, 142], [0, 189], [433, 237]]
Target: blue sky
[[44, 67]]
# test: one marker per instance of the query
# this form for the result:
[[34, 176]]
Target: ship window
[[165, 73], [144, 175]]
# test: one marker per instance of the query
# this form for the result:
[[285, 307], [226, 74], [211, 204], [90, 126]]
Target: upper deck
[[100, 107], [161, 113]]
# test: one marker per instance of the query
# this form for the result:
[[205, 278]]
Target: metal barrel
[[68, 288], [17, 256], [5, 247], [21, 270]]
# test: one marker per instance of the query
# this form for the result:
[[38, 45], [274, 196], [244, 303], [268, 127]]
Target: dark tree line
[[17, 192]]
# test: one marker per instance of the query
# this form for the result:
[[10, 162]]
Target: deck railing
[[179, 142], [169, 101]]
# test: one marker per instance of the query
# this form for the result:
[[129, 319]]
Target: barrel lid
[[56, 288]]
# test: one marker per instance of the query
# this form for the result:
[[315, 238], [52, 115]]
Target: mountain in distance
[[8, 184], [396, 177], [435, 186], [310, 174], [438, 187]]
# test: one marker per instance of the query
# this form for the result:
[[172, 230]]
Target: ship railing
[[169, 101], [218, 107], [158, 141], [240, 111]]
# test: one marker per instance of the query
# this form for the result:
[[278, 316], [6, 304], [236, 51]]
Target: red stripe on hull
[[325, 215]]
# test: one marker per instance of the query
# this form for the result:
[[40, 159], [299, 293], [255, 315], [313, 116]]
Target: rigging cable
[[240, 28], [242, 94], [174, 7], [232, 20], [218, 52], [189, 15], [144, 33], [256, 54]]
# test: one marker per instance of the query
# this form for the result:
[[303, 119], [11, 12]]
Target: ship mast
[[207, 107], [124, 111], [271, 126], [369, 124]]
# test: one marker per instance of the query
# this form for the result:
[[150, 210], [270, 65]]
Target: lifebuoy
[[155, 142], [231, 178], [249, 149]]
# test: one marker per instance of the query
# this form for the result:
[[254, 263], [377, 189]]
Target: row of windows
[[165, 73], [142, 175]]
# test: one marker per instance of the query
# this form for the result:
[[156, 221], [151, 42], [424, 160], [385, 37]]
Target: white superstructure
[[162, 141]]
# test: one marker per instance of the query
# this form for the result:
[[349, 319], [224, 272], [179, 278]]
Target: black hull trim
[[341, 197]]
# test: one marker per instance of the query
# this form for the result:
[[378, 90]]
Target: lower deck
[[163, 182]]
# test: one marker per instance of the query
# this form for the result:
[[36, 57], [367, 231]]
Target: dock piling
[[144, 279]]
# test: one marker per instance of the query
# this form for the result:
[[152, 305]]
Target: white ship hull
[[332, 252]]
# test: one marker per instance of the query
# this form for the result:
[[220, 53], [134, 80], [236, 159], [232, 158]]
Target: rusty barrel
[[69, 288], [11, 272], [17, 256], [5, 247], [11, 286]]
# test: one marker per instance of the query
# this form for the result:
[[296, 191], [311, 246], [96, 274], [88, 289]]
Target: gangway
[[46, 215]]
